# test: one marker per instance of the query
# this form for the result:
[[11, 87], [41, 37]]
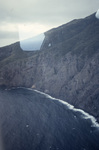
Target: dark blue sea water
[[30, 120]]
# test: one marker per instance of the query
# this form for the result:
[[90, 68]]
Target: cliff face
[[66, 67]]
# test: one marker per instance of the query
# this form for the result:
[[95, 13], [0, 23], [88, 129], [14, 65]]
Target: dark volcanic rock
[[30, 120], [66, 67]]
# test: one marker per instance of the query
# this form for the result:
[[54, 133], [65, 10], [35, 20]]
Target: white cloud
[[28, 30], [46, 13], [8, 26], [10, 32], [97, 14], [32, 43]]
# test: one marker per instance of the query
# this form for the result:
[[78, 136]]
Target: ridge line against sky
[[22, 19]]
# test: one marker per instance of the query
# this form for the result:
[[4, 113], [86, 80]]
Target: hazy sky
[[25, 18]]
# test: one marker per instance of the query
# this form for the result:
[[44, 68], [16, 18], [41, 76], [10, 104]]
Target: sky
[[21, 19]]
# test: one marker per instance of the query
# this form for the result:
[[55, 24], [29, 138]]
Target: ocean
[[32, 120]]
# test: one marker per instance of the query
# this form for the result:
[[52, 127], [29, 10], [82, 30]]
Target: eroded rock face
[[74, 80], [66, 67]]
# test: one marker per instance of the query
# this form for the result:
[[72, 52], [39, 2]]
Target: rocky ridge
[[66, 67]]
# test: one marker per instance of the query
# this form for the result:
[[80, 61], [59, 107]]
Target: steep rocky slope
[[66, 67]]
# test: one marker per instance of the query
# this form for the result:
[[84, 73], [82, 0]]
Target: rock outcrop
[[66, 67]]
